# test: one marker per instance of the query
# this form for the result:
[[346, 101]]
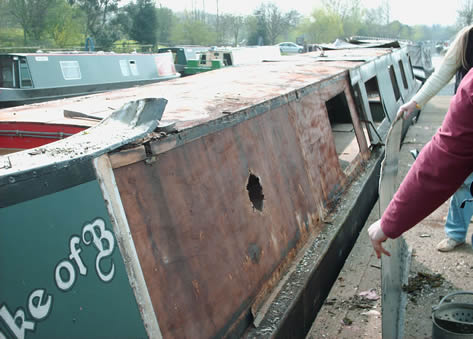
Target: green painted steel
[[194, 67], [62, 274]]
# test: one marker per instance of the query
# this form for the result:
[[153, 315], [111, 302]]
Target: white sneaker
[[447, 245]]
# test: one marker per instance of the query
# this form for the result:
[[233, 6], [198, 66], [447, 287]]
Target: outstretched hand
[[377, 238]]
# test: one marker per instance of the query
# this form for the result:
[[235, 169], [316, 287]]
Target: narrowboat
[[35, 77], [182, 54], [216, 58], [221, 205]]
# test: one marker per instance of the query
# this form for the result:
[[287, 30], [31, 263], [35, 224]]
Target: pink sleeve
[[441, 167]]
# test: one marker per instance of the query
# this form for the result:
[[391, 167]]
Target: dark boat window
[[357, 96], [133, 67], [343, 130], [25, 76], [227, 59], [124, 68], [203, 59], [410, 65], [374, 99], [403, 74], [6, 73], [70, 70], [397, 93]]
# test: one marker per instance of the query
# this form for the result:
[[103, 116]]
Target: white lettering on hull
[[39, 304]]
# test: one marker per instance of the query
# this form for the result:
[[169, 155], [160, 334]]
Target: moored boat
[[216, 58], [182, 55], [225, 210], [35, 77]]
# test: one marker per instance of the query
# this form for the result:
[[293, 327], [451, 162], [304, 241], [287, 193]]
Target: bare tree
[[235, 24], [465, 13], [343, 8], [386, 11], [219, 35], [275, 22]]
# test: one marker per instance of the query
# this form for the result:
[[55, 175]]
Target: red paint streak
[[27, 142]]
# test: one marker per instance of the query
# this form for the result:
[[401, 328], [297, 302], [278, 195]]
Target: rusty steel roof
[[207, 96]]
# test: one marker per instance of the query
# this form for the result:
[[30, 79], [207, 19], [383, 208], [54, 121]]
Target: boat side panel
[[62, 273], [205, 249], [314, 131], [96, 69]]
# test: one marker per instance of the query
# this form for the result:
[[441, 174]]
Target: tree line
[[65, 23]]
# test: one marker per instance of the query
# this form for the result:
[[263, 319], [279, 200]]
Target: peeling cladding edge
[[108, 186], [394, 270], [81, 147]]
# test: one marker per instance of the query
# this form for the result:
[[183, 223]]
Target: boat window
[[343, 130], [410, 66], [70, 70], [25, 76], [134, 68], [203, 59], [6, 73], [124, 68], [227, 59], [397, 93], [403, 74], [363, 116], [375, 102]]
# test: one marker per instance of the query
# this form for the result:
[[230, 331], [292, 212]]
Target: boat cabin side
[[25, 71]]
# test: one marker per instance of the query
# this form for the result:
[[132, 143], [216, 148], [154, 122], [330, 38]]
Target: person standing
[[457, 61], [442, 166]]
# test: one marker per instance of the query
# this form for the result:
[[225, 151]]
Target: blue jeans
[[458, 218]]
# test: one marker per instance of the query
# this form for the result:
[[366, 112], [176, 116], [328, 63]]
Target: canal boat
[[216, 58], [182, 55], [34, 77], [213, 206]]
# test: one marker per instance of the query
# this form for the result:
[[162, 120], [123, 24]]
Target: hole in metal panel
[[255, 192]]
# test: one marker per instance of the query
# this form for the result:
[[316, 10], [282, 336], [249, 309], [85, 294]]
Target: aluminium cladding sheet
[[394, 269]]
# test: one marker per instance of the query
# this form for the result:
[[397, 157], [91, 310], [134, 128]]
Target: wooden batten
[[127, 156]]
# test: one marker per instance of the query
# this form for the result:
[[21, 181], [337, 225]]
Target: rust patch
[[254, 252], [195, 284]]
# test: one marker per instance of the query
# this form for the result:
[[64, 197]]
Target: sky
[[409, 12]]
